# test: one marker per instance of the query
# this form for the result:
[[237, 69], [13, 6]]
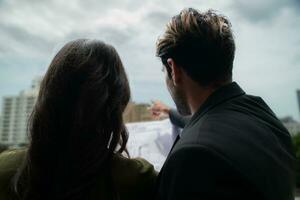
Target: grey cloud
[[117, 36], [23, 40], [111, 35], [260, 11], [105, 5], [157, 18]]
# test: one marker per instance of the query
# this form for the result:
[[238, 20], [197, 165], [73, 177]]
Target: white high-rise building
[[0, 125], [298, 98], [15, 113]]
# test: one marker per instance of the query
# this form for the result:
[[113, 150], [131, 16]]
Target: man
[[233, 147]]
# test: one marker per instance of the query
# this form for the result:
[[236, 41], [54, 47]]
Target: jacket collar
[[218, 97]]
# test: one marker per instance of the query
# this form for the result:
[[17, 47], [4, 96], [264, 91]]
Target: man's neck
[[195, 101], [197, 95]]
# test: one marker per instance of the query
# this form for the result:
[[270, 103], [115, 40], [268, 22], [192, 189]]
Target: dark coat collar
[[219, 96]]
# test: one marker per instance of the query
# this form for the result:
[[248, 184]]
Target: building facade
[[137, 112], [291, 125], [298, 98], [15, 113]]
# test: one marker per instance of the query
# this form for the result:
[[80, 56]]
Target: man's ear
[[176, 72]]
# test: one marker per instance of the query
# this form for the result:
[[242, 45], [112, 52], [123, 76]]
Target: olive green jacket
[[132, 178]]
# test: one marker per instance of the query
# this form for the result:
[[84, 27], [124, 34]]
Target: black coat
[[233, 147]]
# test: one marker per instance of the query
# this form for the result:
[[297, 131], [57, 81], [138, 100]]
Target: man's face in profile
[[177, 94]]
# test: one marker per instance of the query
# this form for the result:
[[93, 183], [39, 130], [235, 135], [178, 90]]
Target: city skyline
[[134, 112], [17, 108], [298, 98], [267, 39]]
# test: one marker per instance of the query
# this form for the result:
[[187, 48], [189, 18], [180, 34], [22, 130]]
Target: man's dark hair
[[201, 43]]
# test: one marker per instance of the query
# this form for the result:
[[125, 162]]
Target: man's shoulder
[[244, 114], [245, 133], [244, 123], [193, 151]]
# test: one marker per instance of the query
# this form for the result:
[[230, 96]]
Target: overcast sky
[[267, 36]]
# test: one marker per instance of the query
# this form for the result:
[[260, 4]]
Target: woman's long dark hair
[[76, 124]]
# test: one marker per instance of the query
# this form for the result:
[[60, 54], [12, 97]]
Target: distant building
[[137, 112], [0, 125], [298, 97], [15, 113], [292, 126], [16, 110]]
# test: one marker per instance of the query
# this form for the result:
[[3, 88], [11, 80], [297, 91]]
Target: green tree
[[296, 141]]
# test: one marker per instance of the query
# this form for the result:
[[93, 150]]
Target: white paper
[[151, 140]]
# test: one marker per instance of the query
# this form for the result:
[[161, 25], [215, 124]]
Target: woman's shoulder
[[137, 166], [10, 160], [133, 176]]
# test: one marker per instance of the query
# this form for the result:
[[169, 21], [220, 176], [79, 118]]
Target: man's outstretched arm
[[159, 109], [178, 119]]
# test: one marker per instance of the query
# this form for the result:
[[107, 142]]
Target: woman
[[77, 134]]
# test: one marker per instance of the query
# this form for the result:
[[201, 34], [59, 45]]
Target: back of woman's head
[[76, 124]]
